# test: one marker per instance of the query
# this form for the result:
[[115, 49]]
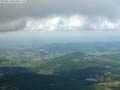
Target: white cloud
[[105, 24], [71, 23], [61, 23], [74, 22]]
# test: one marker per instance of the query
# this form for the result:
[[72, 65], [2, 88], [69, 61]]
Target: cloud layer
[[60, 15], [55, 23], [61, 23]]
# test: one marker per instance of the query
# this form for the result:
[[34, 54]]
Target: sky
[[60, 16]]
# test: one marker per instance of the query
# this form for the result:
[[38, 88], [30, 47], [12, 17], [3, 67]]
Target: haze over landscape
[[60, 45]]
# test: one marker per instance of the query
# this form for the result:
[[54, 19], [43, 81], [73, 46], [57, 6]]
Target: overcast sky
[[60, 15]]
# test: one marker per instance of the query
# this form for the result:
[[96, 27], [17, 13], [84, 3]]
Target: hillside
[[59, 68]]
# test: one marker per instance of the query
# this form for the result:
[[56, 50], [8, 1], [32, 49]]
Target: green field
[[60, 67]]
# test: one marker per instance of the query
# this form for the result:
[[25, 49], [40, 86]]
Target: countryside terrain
[[60, 66]]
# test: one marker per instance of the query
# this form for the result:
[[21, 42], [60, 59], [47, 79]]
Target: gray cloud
[[10, 13], [37, 8], [12, 25]]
